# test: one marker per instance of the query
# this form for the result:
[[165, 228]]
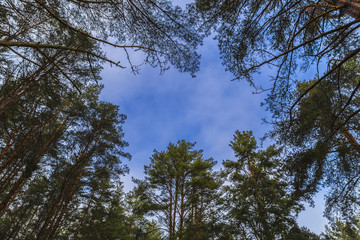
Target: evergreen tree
[[303, 233], [180, 190], [342, 230], [322, 140], [60, 147], [75, 29], [287, 34], [257, 199], [75, 170], [318, 119]]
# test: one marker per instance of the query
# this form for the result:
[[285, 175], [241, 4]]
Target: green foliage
[[75, 29], [180, 189], [322, 139], [288, 35], [342, 230], [74, 166], [303, 233], [106, 219], [257, 199], [61, 148], [317, 120]]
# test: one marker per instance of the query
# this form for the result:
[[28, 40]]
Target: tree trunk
[[52, 215], [351, 139], [84, 216], [26, 175], [175, 204], [182, 210], [350, 7]]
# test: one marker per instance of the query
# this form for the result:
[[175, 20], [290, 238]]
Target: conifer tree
[[287, 35], [180, 190], [257, 204], [322, 140]]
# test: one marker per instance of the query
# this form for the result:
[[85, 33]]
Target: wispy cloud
[[206, 109]]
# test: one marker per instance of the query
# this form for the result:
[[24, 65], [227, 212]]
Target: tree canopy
[[322, 139], [180, 189], [288, 35], [257, 198], [316, 118], [62, 148]]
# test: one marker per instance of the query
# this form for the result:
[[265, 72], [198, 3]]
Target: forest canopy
[[62, 148]]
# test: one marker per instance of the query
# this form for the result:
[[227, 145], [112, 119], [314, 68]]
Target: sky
[[166, 108], [207, 110]]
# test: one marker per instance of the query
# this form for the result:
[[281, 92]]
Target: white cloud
[[207, 109]]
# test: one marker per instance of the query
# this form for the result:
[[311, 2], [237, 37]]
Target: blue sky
[[165, 108], [206, 109]]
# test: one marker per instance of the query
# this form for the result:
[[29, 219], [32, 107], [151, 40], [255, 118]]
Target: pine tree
[[322, 139], [87, 154], [179, 189], [258, 204], [342, 230], [285, 34]]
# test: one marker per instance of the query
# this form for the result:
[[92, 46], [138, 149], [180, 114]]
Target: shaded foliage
[[343, 230], [322, 139], [180, 189], [289, 35], [60, 146], [258, 203]]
